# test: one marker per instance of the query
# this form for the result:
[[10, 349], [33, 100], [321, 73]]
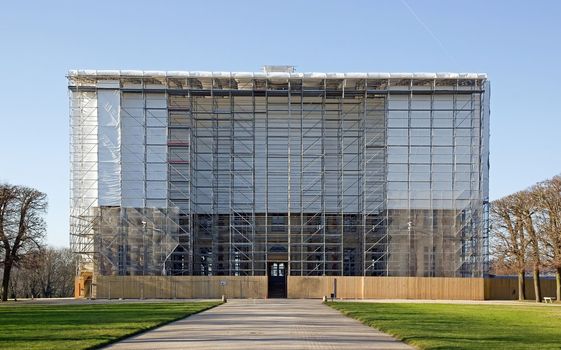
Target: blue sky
[[516, 42]]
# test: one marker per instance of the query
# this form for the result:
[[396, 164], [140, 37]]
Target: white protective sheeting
[[156, 149], [278, 75], [109, 149], [84, 158], [485, 135], [132, 150]]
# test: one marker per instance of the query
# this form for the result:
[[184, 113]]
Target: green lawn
[[84, 326], [452, 326]]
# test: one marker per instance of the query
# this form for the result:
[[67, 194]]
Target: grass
[[453, 326], [84, 326]]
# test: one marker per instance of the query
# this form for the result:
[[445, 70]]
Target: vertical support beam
[[215, 180], [385, 189], [341, 167], [191, 213], [144, 221], [232, 251], [484, 170], [289, 169], [362, 171], [458, 270], [432, 232], [266, 175], [253, 219], [301, 192], [322, 169], [411, 236], [475, 208]]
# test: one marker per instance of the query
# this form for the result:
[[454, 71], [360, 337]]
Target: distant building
[[279, 172]]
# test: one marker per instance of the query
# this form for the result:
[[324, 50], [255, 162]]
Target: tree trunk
[[537, 287], [522, 285], [6, 279], [558, 283]]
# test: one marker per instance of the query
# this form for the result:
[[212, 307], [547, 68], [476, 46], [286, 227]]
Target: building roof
[[86, 73]]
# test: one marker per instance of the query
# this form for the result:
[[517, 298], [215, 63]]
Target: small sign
[[222, 283]]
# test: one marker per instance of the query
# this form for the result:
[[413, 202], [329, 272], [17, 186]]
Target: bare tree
[[23, 280], [548, 198], [527, 210], [509, 239], [22, 226], [56, 272], [46, 273], [66, 272]]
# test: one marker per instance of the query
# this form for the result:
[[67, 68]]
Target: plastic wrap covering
[[134, 241], [217, 173], [133, 165], [84, 175], [433, 151], [485, 135], [109, 143], [434, 183], [293, 75], [156, 149]]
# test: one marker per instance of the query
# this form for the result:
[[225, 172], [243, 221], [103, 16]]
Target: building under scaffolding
[[279, 173]]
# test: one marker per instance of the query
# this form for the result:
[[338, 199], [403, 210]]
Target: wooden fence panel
[[507, 288], [349, 287], [169, 287]]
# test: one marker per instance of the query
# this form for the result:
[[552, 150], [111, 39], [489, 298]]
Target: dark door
[[277, 279]]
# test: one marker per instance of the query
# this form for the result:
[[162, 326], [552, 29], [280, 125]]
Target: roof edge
[[253, 75]]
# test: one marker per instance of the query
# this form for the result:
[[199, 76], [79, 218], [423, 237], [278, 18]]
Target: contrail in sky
[[420, 21]]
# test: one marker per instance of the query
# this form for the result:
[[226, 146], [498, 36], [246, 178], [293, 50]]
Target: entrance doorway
[[276, 272]]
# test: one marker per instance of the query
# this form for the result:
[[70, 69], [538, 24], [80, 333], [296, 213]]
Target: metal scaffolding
[[194, 173]]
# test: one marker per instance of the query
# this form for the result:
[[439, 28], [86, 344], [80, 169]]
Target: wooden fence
[[348, 287], [507, 288], [387, 287], [188, 287]]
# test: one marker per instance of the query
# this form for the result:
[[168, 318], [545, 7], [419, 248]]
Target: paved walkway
[[264, 324]]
